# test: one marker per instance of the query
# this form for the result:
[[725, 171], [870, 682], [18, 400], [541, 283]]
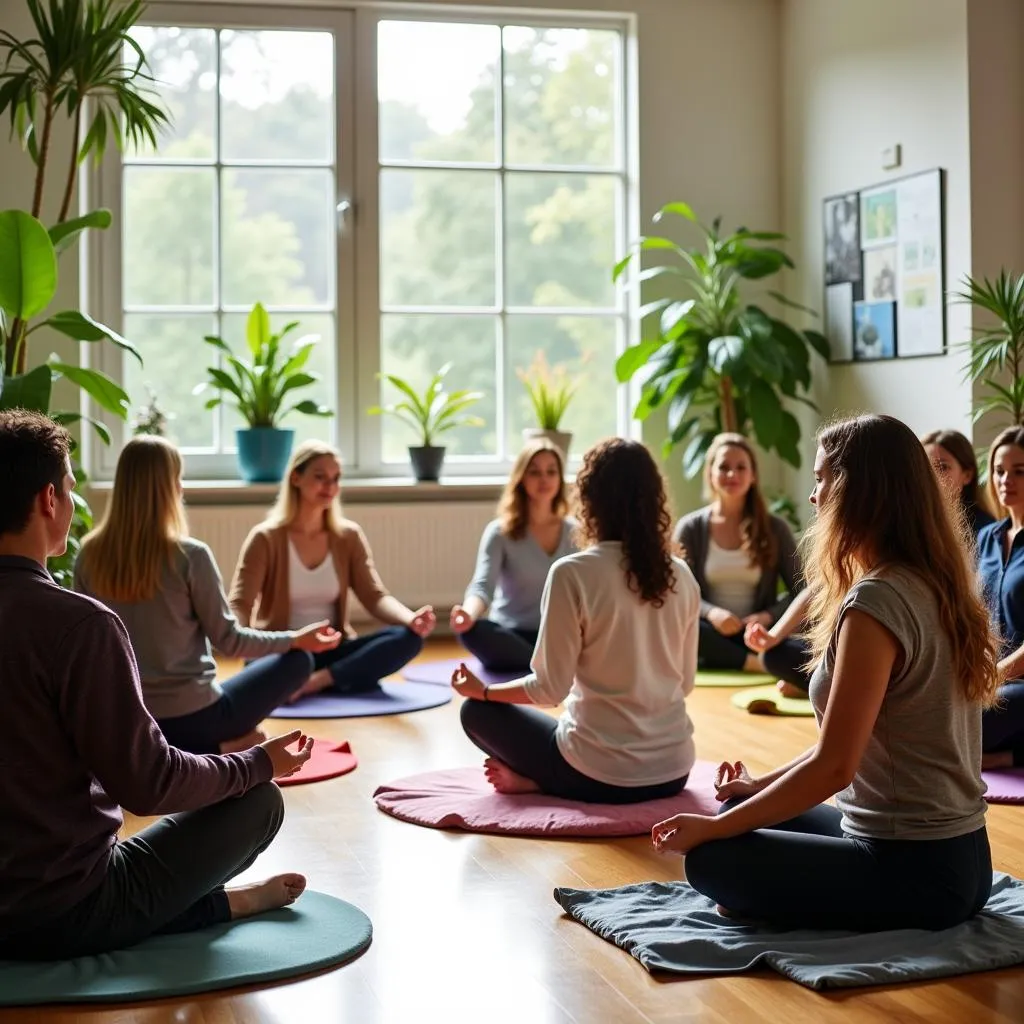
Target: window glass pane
[[561, 96], [437, 87], [183, 63], [437, 238], [277, 96], [414, 348], [278, 236], [321, 361], [175, 358], [561, 239], [168, 230], [584, 347]]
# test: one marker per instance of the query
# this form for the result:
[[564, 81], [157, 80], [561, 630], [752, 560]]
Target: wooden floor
[[465, 927]]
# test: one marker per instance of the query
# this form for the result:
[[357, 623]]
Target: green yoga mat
[[318, 931], [708, 678], [766, 700]]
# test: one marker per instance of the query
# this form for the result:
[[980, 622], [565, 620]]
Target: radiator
[[424, 552]]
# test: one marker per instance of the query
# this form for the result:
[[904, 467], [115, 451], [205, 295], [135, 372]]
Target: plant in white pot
[[429, 414], [259, 388], [550, 390]]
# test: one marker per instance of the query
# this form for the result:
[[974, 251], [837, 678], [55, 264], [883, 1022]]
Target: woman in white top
[[617, 643], [737, 552]]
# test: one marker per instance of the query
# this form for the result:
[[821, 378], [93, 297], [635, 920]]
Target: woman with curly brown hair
[[500, 614], [617, 644]]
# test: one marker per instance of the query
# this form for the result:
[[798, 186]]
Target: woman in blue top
[[499, 617], [1001, 568]]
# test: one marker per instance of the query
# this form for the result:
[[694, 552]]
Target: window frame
[[357, 252]]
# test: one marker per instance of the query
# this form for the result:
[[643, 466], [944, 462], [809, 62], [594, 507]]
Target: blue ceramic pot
[[263, 453]]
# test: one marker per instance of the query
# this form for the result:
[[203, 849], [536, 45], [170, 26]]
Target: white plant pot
[[560, 438]]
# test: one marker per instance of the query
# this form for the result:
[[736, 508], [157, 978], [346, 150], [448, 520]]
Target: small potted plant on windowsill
[[259, 388], [434, 412], [551, 389]]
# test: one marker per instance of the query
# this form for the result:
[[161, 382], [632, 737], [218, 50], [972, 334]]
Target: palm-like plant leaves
[[435, 411]]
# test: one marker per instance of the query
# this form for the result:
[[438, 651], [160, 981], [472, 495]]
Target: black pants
[[361, 663], [1002, 726], [786, 661], [500, 648], [168, 878], [246, 699], [806, 873], [715, 651], [524, 739]]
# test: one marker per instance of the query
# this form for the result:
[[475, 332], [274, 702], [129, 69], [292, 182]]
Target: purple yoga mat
[[1005, 786], [386, 699], [440, 672]]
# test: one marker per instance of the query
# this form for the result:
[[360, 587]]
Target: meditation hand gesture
[[683, 832], [460, 620], [466, 684], [287, 762], [725, 622], [733, 780], [423, 621], [757, 637], [316, 637]]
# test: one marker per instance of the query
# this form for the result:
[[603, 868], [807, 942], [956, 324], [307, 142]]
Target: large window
[[469, 211]]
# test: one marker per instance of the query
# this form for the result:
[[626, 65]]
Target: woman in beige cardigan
[[298, 566]]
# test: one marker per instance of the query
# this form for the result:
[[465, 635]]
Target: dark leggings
[[787, 661], [500, 648], [807, 873], [246, 699], [524, 739], [716, 651], [168, 878], [1002, 726], [359, 664]]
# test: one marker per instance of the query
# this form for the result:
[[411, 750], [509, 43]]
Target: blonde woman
[[298, 566], [737, 552], [499, 617], [167, 590], [906, 662]]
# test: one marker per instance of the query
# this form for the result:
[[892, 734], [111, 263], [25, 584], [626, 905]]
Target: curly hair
[[620, 494], [514, 506]]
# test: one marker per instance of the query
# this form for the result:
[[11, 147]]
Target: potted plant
[[550, 391], [258, 388], [718, 362], [434, 412]]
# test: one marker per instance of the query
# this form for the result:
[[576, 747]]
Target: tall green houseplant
[[713, 360]]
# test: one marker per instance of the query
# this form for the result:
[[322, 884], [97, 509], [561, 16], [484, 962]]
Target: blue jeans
[[246, 699], [500, 648], [1002, 726], [360, 664]]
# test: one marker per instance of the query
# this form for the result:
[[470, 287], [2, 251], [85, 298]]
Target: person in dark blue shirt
[[1001, 569], [952, 458]]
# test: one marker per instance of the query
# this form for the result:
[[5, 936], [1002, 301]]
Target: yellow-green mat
[[766, 700], [708, 678]]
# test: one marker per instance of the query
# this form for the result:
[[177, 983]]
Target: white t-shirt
[[313, 593], [622, 666], [732, 580]]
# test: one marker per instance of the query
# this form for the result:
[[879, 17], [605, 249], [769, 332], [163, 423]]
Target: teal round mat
[[318, 931]]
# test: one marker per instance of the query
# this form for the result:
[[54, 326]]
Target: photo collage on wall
[[884, 273]]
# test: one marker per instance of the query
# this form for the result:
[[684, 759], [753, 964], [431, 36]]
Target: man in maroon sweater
[[79, 745]]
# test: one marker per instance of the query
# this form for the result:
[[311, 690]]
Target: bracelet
[[487, 687]]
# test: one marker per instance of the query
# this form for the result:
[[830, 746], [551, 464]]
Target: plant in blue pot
[[263, 388]]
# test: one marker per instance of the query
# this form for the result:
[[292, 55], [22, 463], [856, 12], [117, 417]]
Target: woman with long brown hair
[[906, 662], [956, 467], [617, 644], [737, 552], [500, 614]]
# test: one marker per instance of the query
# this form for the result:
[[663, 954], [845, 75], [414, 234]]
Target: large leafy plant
[[433, 412], [260, 386], [712, 359]]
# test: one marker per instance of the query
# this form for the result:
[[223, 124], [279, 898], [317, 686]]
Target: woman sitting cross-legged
[[617, 643], [906, 663], [298, 565], [737, 552], [167, 590], [499, 617]]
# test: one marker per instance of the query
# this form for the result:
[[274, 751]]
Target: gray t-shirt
[[920, 776], [510, 574], [171, 633]]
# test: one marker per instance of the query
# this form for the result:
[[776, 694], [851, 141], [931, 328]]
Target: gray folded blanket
[[672, 927]]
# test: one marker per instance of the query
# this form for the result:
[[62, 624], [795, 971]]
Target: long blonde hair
[[757, 538], [144, 519], [286, 505], [514, 505], [885, 503], [1011, 435]]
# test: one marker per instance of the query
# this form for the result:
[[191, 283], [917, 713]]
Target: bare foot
[[250, 739], [318, 681], [270, 894], [504, 780], [997, 759], [791, 691], [752, 663]]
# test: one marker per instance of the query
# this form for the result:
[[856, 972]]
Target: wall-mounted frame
[[885, 270]]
